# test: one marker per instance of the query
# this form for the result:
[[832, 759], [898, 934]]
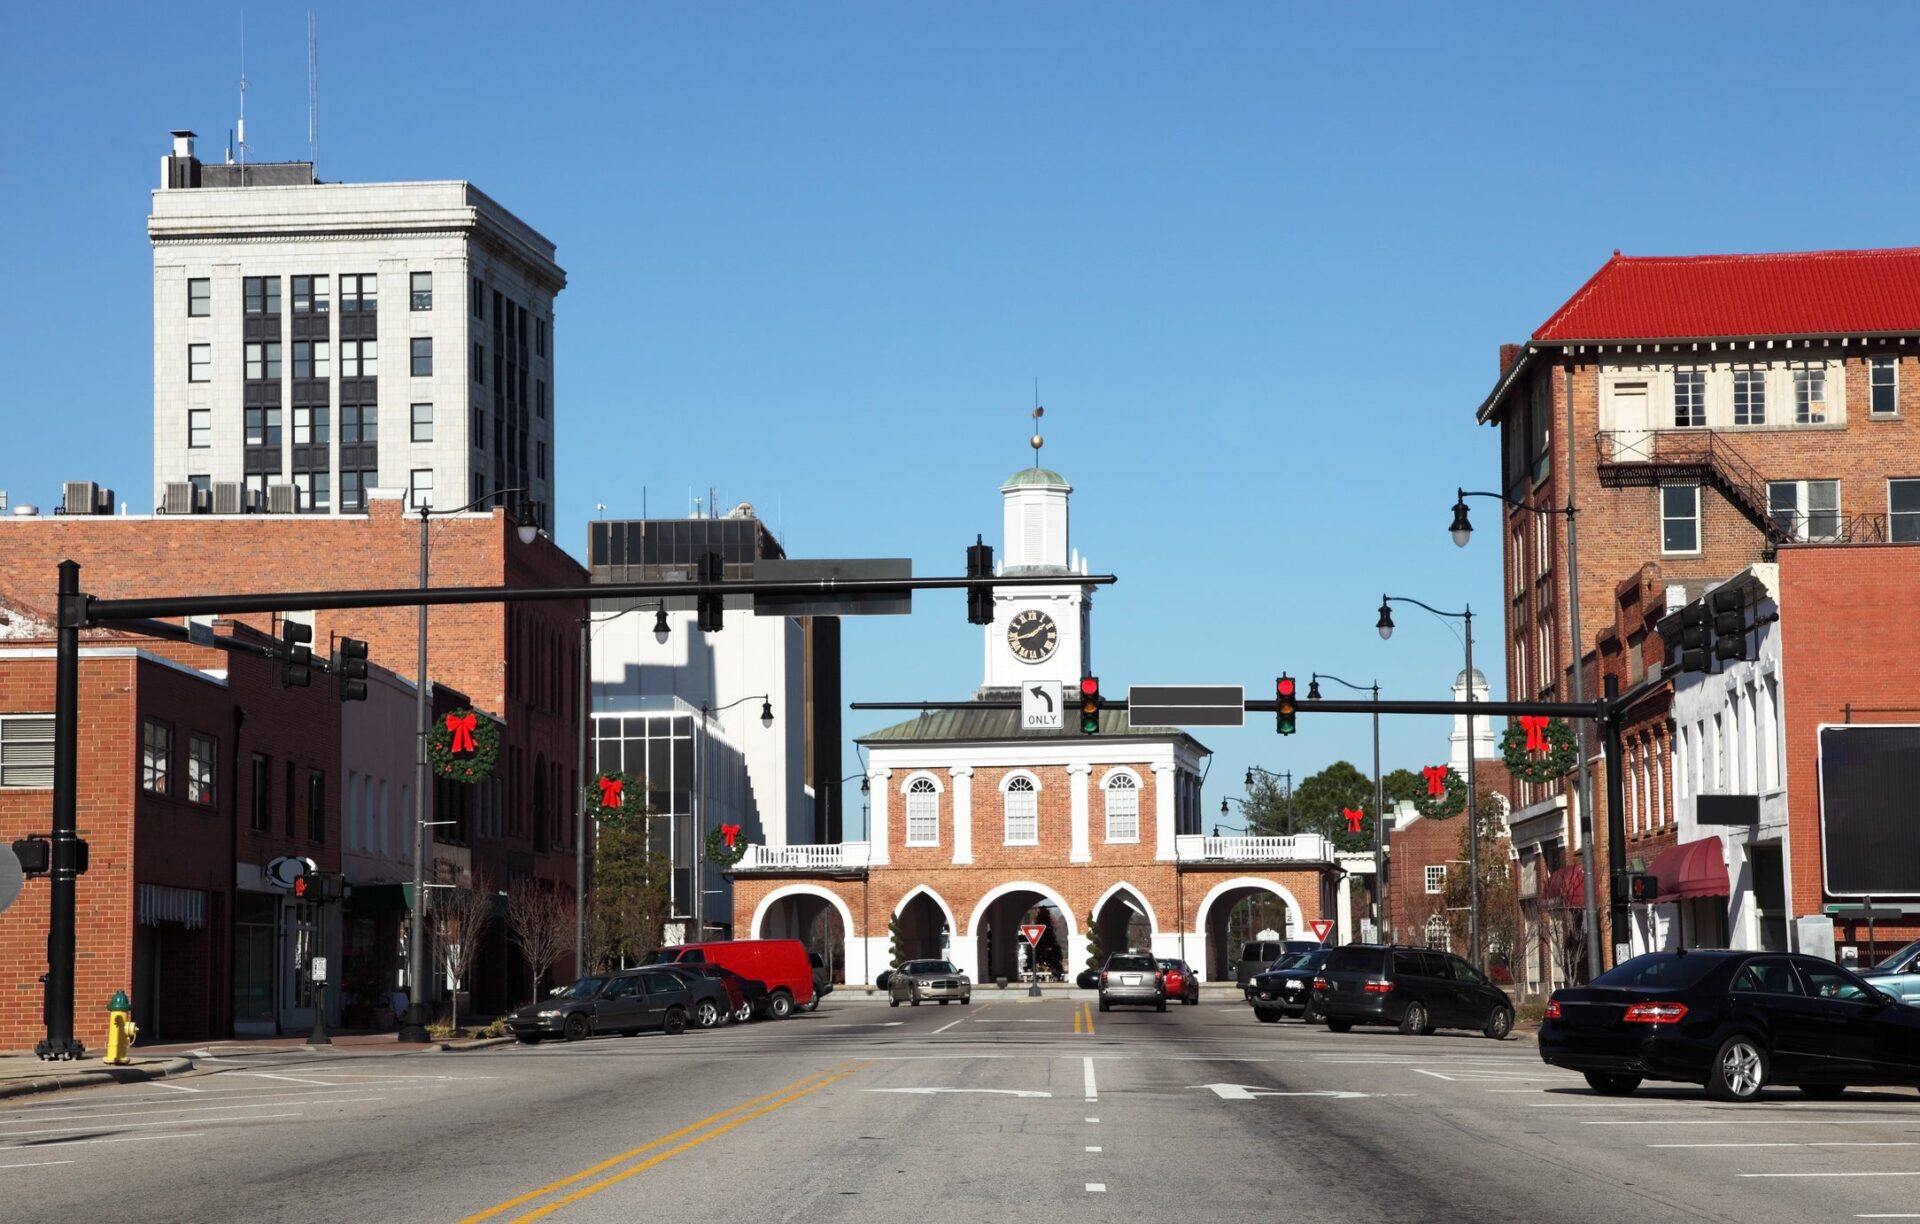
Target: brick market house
[[976, 825]]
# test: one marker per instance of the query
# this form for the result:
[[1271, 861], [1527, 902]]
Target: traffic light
[[320, 886], [1693, 637], [1089, 705], [707, 608], [296, 656], [303, 888], [353, 669], [1284, 705], [35, 855], [1634, 887], [979, 598], [1729, 624]]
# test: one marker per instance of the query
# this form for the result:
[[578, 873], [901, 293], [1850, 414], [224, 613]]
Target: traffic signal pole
[[60, 1043]]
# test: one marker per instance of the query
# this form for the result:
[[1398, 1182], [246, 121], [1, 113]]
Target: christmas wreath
[[1446, 795], [619, 796], [464, 747], [1538, 748], [726, 845]]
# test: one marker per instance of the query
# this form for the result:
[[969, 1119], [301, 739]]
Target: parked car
[[1260, 955], [1182, 983], [822, 980], [1287, 988], [1088, 979], [625, 1002], [1132, 978], [1734, 1022], [780, 963], [717, 997], [1899, 974], [884, 980], [1418, 989], [938, 980]]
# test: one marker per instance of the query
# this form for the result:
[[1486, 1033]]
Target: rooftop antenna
[[242, 126], [313, 88]]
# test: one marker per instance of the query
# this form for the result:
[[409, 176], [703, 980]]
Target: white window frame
[[416, 486], [26, 751], [1809, 376], [1755, 380], [1890, 366], [1665, 518], [1804, 511], [1695, 403], [1437, 929], [1121, 782], [1436, 878], [1009, 787], [922, 807]]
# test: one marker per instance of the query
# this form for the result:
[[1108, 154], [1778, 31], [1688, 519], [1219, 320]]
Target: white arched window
[[923, 812], [1437, 932], [1123, 807], [1022, 802]]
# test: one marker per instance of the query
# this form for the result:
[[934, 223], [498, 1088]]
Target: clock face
[[1032, 636]]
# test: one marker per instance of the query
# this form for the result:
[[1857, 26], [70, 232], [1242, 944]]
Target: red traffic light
[[1283, 687], [300, 887], [1090, 686]]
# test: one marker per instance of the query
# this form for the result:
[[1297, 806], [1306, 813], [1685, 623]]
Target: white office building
[[314, 340]]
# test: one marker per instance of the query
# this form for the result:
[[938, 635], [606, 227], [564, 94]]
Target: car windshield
[[919, 967], [585, 988], [1302, 960], [1899, 959], [1659, 969], [1257, 951]]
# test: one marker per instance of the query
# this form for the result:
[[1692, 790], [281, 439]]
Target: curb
[[484, 1043], [137, 1074]]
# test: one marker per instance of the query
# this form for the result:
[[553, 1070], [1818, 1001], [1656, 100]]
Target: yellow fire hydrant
[[121, 1029]]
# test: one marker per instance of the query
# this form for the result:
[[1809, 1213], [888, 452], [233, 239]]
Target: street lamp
[[1285, 778], [1462, 531], [1379, 795], [415, 1029], [1385, 626], [700, 806]]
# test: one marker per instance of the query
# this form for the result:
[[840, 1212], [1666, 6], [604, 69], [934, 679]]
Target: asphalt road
[[1005, 1109]]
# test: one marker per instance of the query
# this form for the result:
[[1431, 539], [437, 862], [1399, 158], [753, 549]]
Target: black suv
[[1417, 989], [1287, 988]]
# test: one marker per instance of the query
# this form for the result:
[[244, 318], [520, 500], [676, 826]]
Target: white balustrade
[[837, 856], [1299, 848]]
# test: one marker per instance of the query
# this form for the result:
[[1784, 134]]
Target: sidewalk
[[23, 1074]]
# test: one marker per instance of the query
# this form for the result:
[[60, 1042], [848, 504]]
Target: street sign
[[1186, 705], [1039, 707], [283, 871], [828, 602], [1033, 933], [317, 968], [11, 876], [1322, 928]]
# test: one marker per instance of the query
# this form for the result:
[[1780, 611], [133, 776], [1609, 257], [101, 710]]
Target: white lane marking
[[1015, 1092], [1093, 1091], [156, 1105], [1093, 1119], [37, 1164], [1434, 1074], [1246, 1092], [1827, 1143], [175, 1087], [56, 1130], [943, 1028], [1891, 1215], [1096, 1187], [1016, 1022], [1915, 1173], [179, 1109], [47, 1143], [870, 1024], [294, 1079], [1093, 1149]]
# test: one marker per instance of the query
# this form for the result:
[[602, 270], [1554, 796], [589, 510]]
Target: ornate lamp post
[[1379, 798]]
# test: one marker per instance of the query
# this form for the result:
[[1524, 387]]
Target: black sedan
[[1287, 988], [1735, 1022]]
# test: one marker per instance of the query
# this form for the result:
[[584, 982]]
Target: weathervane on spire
[[1036, 442]]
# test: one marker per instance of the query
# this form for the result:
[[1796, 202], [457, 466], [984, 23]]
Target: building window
[[263, 360], [203, 753], [1903, 510], [1680, 518], [422, 356], [359, 292], [1750, 395], [420, 488], [312, 426], [1437, 933], [26, 750], [199, 363], [1123, 808], [310, 359], [1809, 393], [423, 422], [359, 358], [316, 491], [923, 812], [479, 363], [479, 299], [359, 423], [1689, 398], [540, 337], [263, 426], [199, 297], [316, 805], [353, 488], [156, 757], [540, 460], [1883, 381], [1805, 509], [422, 284], [199, 427], [1436, 877], [262, 799], [310, 295], [1022, 811], [540, 397], [262, 294]]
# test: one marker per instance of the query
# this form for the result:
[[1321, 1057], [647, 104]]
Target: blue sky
[[1259, 257]]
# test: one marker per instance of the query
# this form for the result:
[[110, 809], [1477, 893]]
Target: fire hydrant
[[121, 1030]]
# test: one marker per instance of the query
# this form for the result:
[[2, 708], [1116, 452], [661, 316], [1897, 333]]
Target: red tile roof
[[1697, 297]]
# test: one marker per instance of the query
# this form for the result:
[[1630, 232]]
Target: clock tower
[[1038, 633]]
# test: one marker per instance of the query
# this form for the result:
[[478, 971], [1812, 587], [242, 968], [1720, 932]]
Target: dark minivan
[[1418, 989]]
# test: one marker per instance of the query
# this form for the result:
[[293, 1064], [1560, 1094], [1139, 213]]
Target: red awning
[[1691, 869], [1567, 886]]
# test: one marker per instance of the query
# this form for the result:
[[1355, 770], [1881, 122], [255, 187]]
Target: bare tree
[[460, 919], [541, 923]]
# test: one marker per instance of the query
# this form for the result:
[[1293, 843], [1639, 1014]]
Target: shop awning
[[157, 903], [367, 897], [1567, 886], [1691, 869]]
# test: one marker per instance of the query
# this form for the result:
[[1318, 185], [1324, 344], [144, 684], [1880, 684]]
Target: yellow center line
[[1076, 1019], [1088, 1008], [604, 1165]]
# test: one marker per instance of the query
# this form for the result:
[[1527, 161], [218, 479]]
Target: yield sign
[[1033, 933], [1322, 928]]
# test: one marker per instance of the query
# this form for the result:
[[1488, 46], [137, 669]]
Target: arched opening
[[817, 919], [1240, 910], [924, 927], [998, 949], [1121, 922]]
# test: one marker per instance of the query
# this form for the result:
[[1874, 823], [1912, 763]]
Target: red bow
[[610, 792], [1354, 817], [1535, 725], [462, 729], [728, 833], [1436, 776]]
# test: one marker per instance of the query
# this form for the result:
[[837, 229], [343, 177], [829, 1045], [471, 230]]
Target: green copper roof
[[953, 726], [1035, 476]]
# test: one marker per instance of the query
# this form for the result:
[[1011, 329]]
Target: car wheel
[[1338, 1026], [1499, 1024], [915, 1000], [1160, 1006], [706, 1013], [1738, 1072], [967, 1001], [1414, 1019], [1612, 1085], [943, 1002], [1266, 1015], [1104, 1005], [1823, 1092], [529, 1039], [1308, 1015], [893, 1002], [744, 1014], [576, 1028], [780, 1005], [675, 1022]]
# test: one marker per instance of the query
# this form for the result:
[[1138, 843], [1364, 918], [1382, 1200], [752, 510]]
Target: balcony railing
[[838, 856], [1300, 848]]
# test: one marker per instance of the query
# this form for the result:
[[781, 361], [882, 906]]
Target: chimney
[[180, 168], [1510, 353]]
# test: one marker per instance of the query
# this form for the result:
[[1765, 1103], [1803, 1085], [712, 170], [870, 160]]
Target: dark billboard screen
[[1870, 810]]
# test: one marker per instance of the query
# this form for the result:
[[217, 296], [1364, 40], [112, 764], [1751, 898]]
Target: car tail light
[[1103, 977], [1320, 983], [1655, 1013], [1553, 1009], [1377, 987]]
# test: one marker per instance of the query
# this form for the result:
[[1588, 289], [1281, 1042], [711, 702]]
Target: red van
[[780, 963]]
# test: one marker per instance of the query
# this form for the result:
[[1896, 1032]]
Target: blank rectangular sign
[[1870, 809], [1186, 705]]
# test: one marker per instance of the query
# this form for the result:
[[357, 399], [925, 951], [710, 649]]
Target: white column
[[877, 818], [1077, 786], [1163, 812], [1342, 911], [962, 817]]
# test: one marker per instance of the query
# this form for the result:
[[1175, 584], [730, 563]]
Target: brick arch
[[1138, 894], [1238, 883], [1050, 895], [802, 890], [953, 927]]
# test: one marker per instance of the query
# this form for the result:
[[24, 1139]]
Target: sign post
[[317, 971], [1032, 932]]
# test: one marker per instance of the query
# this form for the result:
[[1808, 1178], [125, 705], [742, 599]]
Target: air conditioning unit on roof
[[178, 498], [229, 497], [283, 499], [77, 496]]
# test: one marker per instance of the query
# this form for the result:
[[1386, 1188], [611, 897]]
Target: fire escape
[[1643, 458]]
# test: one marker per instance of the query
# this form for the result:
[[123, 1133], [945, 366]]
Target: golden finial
[[1037, 441]]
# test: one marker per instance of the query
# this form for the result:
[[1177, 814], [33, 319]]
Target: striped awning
[[157, 903]]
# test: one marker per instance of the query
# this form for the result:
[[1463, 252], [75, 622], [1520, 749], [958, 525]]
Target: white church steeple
[[1038, 633]]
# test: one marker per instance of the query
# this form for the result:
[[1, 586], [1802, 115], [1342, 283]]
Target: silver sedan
[[936, 980]]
